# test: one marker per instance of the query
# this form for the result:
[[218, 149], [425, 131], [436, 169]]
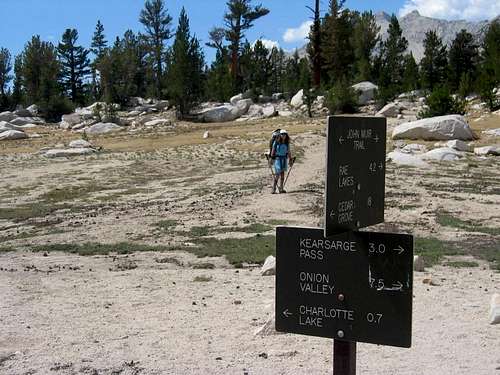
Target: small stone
[[418, 263], [80, 143], [458, 145], [495, 309], [430, 282], [206, 135], [487, 150], [267, 329], [269, 267]]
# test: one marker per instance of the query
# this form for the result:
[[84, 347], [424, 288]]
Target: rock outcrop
[[102, 128], [443, 154], [441, 128], [9, 135], [367, 91], [403, 158], [223, 113], [487, 150], [58, 153], [298, 99], [390, 110]]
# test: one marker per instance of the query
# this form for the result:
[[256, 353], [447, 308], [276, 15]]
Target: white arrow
[[341, 140], [398, 286], [376, 138], [399, 249], [289, 314], [332, 214]]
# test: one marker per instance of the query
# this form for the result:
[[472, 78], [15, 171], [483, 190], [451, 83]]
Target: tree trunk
[[159, 70], [317, 46]]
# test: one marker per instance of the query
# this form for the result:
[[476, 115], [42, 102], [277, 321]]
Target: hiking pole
[[270, 166], [290, 171]]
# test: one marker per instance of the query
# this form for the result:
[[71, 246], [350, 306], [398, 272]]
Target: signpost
[[355, 182], [356, 286], [338, 282]]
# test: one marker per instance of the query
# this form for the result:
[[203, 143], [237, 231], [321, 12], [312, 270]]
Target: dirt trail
[[303, 183]]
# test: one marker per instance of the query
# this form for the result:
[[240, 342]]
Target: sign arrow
[[289, 314], [398, 286], [341, 140], [376, 138], [332, 214], [399, 249]]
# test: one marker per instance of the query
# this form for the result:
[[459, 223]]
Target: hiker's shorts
[[280, 164]]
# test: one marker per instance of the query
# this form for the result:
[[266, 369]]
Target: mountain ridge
[[414, 27]]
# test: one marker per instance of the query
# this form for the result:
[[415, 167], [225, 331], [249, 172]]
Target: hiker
[[281, 154]]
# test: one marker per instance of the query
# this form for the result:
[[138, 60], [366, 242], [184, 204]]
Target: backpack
[[274, 137]]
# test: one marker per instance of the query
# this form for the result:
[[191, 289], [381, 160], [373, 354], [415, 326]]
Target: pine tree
[[98, 48], [75, 65], [259, 69], [18, 95], [216, 37], [314, 46], [435, 61], [219, 85], [245, 68], [337, 50], [489, 77], [463, 58], [277, 64], [123, 69], [157, 22], [365, 39], [39, 74], [99, 42], [411, 75], [5, 77], [291, 78], [391, 62], [239, 17], [186, 68], [491, 51]]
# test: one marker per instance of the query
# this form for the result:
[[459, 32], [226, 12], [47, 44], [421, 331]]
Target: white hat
[[283, 131]]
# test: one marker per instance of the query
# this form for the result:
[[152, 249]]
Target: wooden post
[[344, 358]]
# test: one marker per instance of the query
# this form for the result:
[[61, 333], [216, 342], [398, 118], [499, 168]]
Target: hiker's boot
[[282, 189], [274, 187]]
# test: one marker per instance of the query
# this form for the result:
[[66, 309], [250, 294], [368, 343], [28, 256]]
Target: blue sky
[[49, 18]]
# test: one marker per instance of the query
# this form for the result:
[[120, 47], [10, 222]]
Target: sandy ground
[[158, 320], [65, 314]]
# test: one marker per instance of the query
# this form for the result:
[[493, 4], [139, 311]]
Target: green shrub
[[342, 98], [55, 107], [486, 85], [441, 103]]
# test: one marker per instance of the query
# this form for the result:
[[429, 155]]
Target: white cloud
[[454, 9], [298, 34], [269, 44]]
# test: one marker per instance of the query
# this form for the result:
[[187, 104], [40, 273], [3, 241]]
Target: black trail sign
[[355, 286], [355, 182]]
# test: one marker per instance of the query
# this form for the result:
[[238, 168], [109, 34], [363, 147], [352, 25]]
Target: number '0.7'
[[374, 318]]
